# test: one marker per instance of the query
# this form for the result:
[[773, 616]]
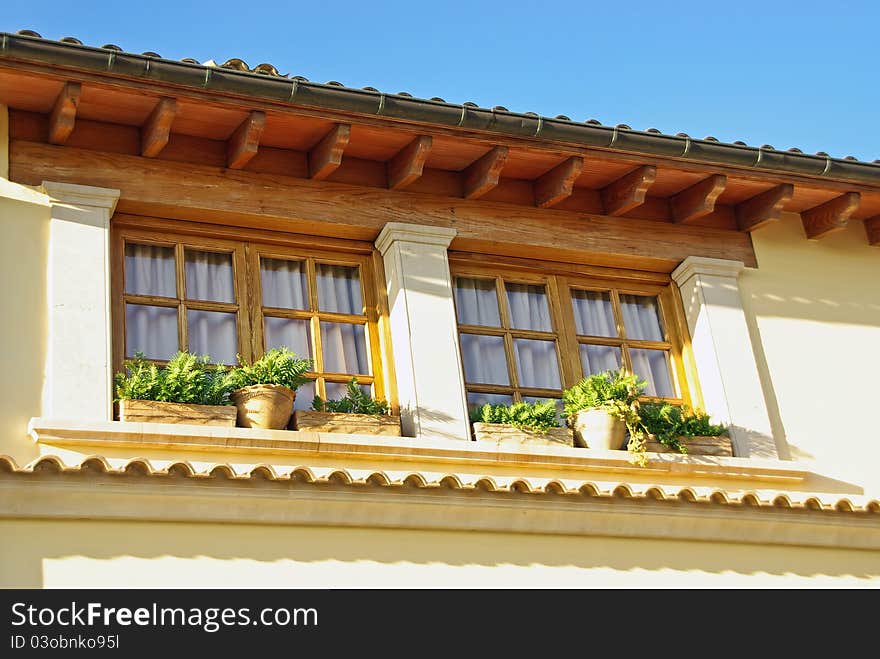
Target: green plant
[[278, 366], [667, 422], [616, 392], [355, 401], [540, 417], [186, 378]]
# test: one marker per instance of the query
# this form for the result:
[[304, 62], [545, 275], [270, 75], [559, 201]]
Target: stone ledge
[[95, 437]]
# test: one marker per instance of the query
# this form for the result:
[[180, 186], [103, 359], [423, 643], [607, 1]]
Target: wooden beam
[[157, 130], [186, 191], [829, 217], [763, 208], [555, 185], [697, 200], [407, 165], [63, 116], [326, 155], [872, 228], [245, 141], [629, 191], [482, 175]]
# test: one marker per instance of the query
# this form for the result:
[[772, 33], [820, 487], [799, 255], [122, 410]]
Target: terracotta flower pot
[[263, 406], [598, 429]]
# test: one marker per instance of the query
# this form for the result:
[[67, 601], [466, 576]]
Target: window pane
[[476, 302], [150, 330], [593, 314], [476, 400], [213, 333], [284, 284], [653, 367], [209, 276], [536, 363], [345, 348], [484, 359], [293, 333], [596, 359], [337, 390], [528, 307], [149, 270], [641, 317], [339, 289], [304, 396]]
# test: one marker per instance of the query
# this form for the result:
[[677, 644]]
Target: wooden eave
[[239, 124]]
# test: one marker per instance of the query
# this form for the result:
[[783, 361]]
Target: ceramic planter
[[599, 430], [263, 406], [506, 435], [696, 446], [154, 411], [354, 424]]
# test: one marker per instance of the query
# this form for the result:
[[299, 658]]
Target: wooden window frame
[[560, 280], [247, 246]]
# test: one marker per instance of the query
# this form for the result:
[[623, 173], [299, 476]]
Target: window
[[526, 335], [226, 298]]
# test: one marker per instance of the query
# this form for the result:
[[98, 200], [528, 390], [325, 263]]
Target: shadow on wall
[[130, 554]]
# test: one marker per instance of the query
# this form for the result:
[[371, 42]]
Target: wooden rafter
[[557, 184], [326, 155], [483, 174], [763, 208], [829, 217], [407, 165], [245, 141], [697, 200], [629, 191], [63, 116], [157, 130], [872, 228]]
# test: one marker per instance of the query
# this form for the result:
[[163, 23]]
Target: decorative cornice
[[701, 265], [413, 233], [82, 195]]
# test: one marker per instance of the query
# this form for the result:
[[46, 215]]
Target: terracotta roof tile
[[690, 495]]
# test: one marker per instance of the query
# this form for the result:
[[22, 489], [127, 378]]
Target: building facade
[[446, 255]]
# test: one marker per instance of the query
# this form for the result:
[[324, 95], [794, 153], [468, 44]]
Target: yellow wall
[[126, 554], [24, 239], [814, 313]]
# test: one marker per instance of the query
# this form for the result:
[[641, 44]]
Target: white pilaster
[[79, 365], [424, 332], [723, 352]]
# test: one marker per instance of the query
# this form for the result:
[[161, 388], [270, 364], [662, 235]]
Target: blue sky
[[787, 73]]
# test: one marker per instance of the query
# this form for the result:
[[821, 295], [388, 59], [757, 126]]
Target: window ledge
[[466, 461]]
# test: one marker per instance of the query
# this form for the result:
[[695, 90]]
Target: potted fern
[[520, 423], [677, 428], [188, 389], [263, 392], [355, 413], [601, 409]]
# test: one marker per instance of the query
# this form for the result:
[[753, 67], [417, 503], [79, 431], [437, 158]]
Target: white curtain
[[640, 317], [149, 270], [484, 359], [209, 276], [653, 367], [528, 307], [596, 358], [476, 302], [290, 332], [593, 314], [284, 284], [339, 288], [536, 363], [150, 330], [345, 348]]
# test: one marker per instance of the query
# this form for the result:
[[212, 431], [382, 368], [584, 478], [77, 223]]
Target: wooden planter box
[[504, 434], [697, 446], [153, 411], [353, 424]]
